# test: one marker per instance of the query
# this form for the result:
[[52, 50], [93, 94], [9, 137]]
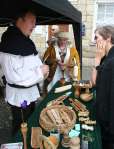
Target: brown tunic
[[50, 59]]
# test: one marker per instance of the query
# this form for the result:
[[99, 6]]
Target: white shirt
[[24, 71]]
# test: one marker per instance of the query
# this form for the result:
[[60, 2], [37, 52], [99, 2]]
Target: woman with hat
[[58, 56]]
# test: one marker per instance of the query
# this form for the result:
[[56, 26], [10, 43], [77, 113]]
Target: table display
[[83, 126]]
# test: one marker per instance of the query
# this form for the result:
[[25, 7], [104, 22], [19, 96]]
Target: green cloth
[[93, 137]]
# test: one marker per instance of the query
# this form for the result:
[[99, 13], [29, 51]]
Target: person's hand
[[61, 65], [45, 70], [93, 77], [101, 51]]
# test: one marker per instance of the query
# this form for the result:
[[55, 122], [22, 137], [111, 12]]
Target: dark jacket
[[105, 91]]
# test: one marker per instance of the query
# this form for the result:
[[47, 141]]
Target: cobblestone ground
[[5, 121]]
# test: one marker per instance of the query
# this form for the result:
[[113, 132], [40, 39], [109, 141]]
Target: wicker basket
[[57, 117]]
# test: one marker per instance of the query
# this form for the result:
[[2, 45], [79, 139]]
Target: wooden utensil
[[24, 133], [35, 137]]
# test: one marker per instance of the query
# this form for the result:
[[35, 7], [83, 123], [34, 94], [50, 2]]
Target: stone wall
[[88, 48]]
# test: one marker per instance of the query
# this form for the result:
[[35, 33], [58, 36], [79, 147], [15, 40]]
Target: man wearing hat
[[58, 56]]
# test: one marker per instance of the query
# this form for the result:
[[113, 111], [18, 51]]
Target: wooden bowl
[[50, 142], [75, 141], [86, 96], [75, 147]]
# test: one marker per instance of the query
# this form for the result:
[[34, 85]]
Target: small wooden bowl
[[50, 142], [75, 147], [75, 141], [86, 96]]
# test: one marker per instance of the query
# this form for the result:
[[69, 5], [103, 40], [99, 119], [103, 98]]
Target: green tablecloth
[[94, 137]]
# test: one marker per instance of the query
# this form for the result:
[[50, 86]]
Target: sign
[[83, 30]]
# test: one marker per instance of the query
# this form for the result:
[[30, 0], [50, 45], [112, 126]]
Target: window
[[105, 14]]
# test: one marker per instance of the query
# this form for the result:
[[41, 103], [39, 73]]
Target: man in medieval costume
[[59, 56]]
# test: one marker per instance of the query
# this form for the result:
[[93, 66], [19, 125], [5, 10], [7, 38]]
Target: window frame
[[96, 4]]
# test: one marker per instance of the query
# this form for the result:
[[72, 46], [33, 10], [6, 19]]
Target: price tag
[[18, 145]]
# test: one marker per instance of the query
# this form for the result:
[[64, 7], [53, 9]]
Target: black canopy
[[48, 12]]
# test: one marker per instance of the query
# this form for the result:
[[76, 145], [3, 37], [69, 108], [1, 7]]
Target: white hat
[[63, 35], [52, 40]]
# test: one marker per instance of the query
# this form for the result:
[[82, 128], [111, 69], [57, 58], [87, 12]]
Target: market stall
[[88, 137], [51, 12]]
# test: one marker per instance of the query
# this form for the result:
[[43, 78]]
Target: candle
[[75, 72]]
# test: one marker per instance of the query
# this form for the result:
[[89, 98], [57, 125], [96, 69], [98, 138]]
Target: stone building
[[94, 13]]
